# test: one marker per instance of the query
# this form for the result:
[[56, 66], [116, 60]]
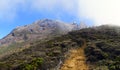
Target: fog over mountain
[[101, 12]]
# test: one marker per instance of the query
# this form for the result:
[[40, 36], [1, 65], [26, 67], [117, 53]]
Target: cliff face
[[40, 29]]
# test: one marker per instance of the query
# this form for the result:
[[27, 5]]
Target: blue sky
[[15, 13]]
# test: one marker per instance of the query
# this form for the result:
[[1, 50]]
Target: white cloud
[[8, 9], [70, 6], [100, 11]]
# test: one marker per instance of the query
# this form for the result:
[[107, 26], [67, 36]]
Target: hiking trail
[[76, 60]]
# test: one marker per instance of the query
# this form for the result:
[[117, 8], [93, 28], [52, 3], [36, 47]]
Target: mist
[[101, 12]]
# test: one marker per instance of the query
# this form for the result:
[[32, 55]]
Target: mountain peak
[[40, 29]]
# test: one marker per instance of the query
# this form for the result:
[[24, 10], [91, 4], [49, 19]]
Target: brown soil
[[76, 60]]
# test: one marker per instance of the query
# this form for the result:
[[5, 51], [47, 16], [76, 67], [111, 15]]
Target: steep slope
[[41, 55], [40, 29], [98, 42], [103, 50], [21, 37]]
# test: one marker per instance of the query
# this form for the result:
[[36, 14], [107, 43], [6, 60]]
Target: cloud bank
[[9, 9], [100, 11]]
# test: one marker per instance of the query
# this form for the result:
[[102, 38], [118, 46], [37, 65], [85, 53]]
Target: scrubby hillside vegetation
[[103, 48], [102, 51], [20, 37], [41, 55]]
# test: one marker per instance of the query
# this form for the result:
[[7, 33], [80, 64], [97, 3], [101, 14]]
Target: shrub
[[34, 65]]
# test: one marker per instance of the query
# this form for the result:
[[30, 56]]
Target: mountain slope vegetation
[[102, 51], [20, 37]]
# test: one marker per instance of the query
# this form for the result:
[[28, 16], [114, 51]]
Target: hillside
[[101, 51], [44, 29]]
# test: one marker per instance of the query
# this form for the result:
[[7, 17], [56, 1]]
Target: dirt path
[[76, 61]]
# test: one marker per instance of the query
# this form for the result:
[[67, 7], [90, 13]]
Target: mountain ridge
[[38, 29]]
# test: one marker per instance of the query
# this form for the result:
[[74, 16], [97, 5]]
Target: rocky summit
[[40, 29]]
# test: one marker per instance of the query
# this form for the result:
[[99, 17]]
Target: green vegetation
[[103, 48], [41, 55], [13, 48], [33, 65], [102, 51]]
